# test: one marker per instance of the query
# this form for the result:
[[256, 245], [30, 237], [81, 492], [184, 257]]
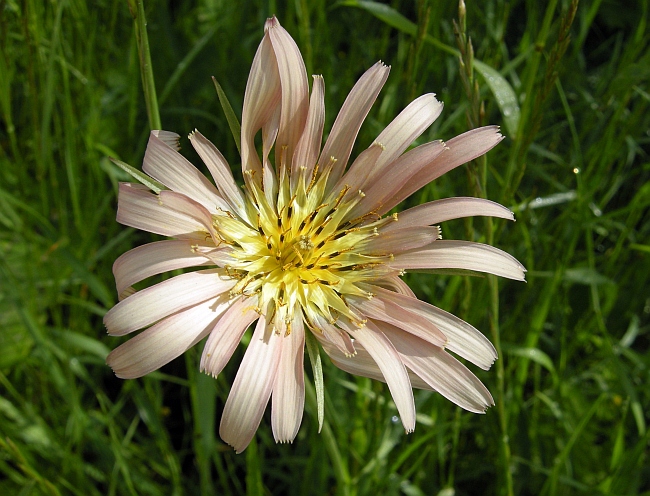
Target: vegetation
[[570, 86]]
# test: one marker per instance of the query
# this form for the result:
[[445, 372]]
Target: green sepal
[[317, 368], [141, 177]]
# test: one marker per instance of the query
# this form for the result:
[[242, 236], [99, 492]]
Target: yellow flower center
[[302, 251]]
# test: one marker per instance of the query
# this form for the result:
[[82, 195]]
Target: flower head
[[304, 247]]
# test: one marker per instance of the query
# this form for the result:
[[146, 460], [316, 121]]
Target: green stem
[[338, 463], [493, 284], [146, 70]]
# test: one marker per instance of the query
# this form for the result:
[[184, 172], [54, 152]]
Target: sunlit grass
[[571, 383]]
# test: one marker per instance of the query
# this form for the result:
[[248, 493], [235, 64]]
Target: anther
[[342, 193]]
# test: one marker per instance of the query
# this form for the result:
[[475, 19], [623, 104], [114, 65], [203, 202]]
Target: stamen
[[302, 261], [313, 178]]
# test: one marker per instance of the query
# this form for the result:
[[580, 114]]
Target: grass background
[[571, 383]]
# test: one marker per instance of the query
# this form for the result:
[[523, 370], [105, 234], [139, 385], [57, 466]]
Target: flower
[[304, 247]]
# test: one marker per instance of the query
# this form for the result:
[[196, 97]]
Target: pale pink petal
[[139, 208], [466, 255], [165, 298], [288, 399], [460, 150], [392, 368], [438, 211], [309, 144], [350, 117], [400, 240], [383, 308], [155, 258], [462, 338], [226, 335], [263, 95], [252, 388], [440, 370], [295, 90], [333, 335], [168, 339], [269, 176], [362, 364], [397, 174], [169, 167], [186, 206], [396, 285], [359, 170], [220, 170], [169, 138], [404, 129]]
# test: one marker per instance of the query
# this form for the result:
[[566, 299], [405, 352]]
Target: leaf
[[87, 344], [587, 276], [504, 94], [94, 283], [15, 341], [534, 354], [317, 367], [233, 122], [141, 177], [384, 13]]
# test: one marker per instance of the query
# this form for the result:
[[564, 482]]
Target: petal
[[360, 168], [381, 307], [263, 94], [295, 89], [460, 150], [398, 174], [309, 144], [467, 255], [169, 167], [440, 370], [269, 134], [288, 399], [404, 129], [168, 339], [252, 387], [392, 368], [185, 205], [226, 335], [220, 170], [350, 117], [462, 338], [362, 364], [155, 258], [396, 285], [438, 211], [163, 299], [335, 336], [400, 240], [137, 207], [169, 138]]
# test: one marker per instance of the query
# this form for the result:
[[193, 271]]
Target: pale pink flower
[[303, 248]]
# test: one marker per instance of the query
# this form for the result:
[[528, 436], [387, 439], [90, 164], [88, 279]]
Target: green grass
[[571, 383]]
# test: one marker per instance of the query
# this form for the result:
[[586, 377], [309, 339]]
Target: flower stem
[[146, 70], [338, 463]]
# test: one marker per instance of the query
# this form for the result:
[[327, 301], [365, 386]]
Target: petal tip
[[271, 22]]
